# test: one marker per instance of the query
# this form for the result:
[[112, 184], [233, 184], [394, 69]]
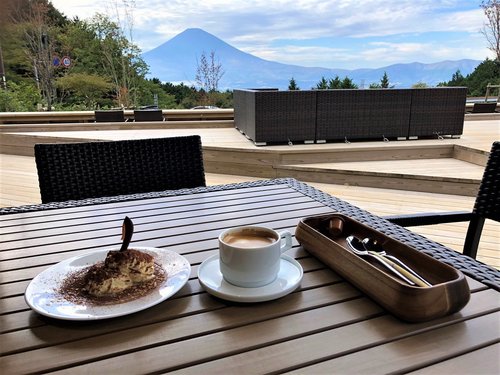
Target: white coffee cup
[[250, 255]]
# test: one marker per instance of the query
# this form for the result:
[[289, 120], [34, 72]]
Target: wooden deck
[[426, 171]]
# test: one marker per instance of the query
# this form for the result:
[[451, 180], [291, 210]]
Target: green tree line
[[487, 72]]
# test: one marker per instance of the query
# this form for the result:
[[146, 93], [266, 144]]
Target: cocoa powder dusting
[[73, 288]]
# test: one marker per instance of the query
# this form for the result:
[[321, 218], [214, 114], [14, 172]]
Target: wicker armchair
[[487, 206], [72, 171], [109, 116], [148, 115]]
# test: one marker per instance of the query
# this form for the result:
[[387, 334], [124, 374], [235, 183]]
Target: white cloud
[[256, 26]]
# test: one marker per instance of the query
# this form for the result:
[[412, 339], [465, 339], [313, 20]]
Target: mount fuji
[[176, 61]]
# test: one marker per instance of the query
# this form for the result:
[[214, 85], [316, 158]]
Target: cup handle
[[287, 243]]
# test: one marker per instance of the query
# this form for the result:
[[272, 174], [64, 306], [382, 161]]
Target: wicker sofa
[[268, 116]]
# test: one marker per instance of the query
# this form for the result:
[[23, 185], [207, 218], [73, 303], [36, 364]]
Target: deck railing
[[89, 116]]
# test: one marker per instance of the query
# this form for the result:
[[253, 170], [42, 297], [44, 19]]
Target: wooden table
[[325, 326]]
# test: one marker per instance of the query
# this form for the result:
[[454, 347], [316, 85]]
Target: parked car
[[205, 107]]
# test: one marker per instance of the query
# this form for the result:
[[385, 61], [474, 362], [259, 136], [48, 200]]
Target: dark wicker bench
[[148, 115], [272, 116], [484, 107], [109, 116]]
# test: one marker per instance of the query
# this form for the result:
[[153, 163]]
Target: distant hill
[[176, 61]]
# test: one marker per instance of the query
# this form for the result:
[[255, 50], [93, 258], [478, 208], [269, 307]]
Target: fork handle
[[417, 280], [387, 264], [408, 269]]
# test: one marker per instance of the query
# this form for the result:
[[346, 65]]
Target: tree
[[79, 41], [40, 22], [181, 93], [223, 99], [457, 79], [292, 85], [33, 32], [486, 72], [88, 88], [420, 85], [130, 63], [120, 58], [335, 83], [209, 72], [322, 84], [491, 29], [384, 81], [151, 92], [348, 84], [19, 97]]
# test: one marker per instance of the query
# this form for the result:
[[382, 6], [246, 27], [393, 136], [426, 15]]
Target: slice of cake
[[121, 270]]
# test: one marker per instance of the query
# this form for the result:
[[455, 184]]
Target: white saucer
[[288, 279]]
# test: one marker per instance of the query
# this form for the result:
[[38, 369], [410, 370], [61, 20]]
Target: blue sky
[[346, 34]]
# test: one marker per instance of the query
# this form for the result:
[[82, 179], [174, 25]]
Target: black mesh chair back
[[71, 171], [488, 197], [487, 205], [109, 116], [148, 115]]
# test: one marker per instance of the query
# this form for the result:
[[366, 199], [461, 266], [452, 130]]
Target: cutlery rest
[[449, 291]]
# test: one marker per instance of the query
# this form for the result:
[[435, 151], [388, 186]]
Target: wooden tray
[[449, 291]]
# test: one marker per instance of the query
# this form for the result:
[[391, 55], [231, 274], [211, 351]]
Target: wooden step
[[426, 175]]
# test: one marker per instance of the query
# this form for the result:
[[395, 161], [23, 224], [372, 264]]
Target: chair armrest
[[430, 218]]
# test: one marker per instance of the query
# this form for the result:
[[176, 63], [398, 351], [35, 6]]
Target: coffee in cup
[[250, 255], [249, 238]]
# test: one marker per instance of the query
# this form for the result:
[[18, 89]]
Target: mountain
[[176, 61]]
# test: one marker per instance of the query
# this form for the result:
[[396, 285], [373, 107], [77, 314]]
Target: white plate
[[289, 277], [42, 296]]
